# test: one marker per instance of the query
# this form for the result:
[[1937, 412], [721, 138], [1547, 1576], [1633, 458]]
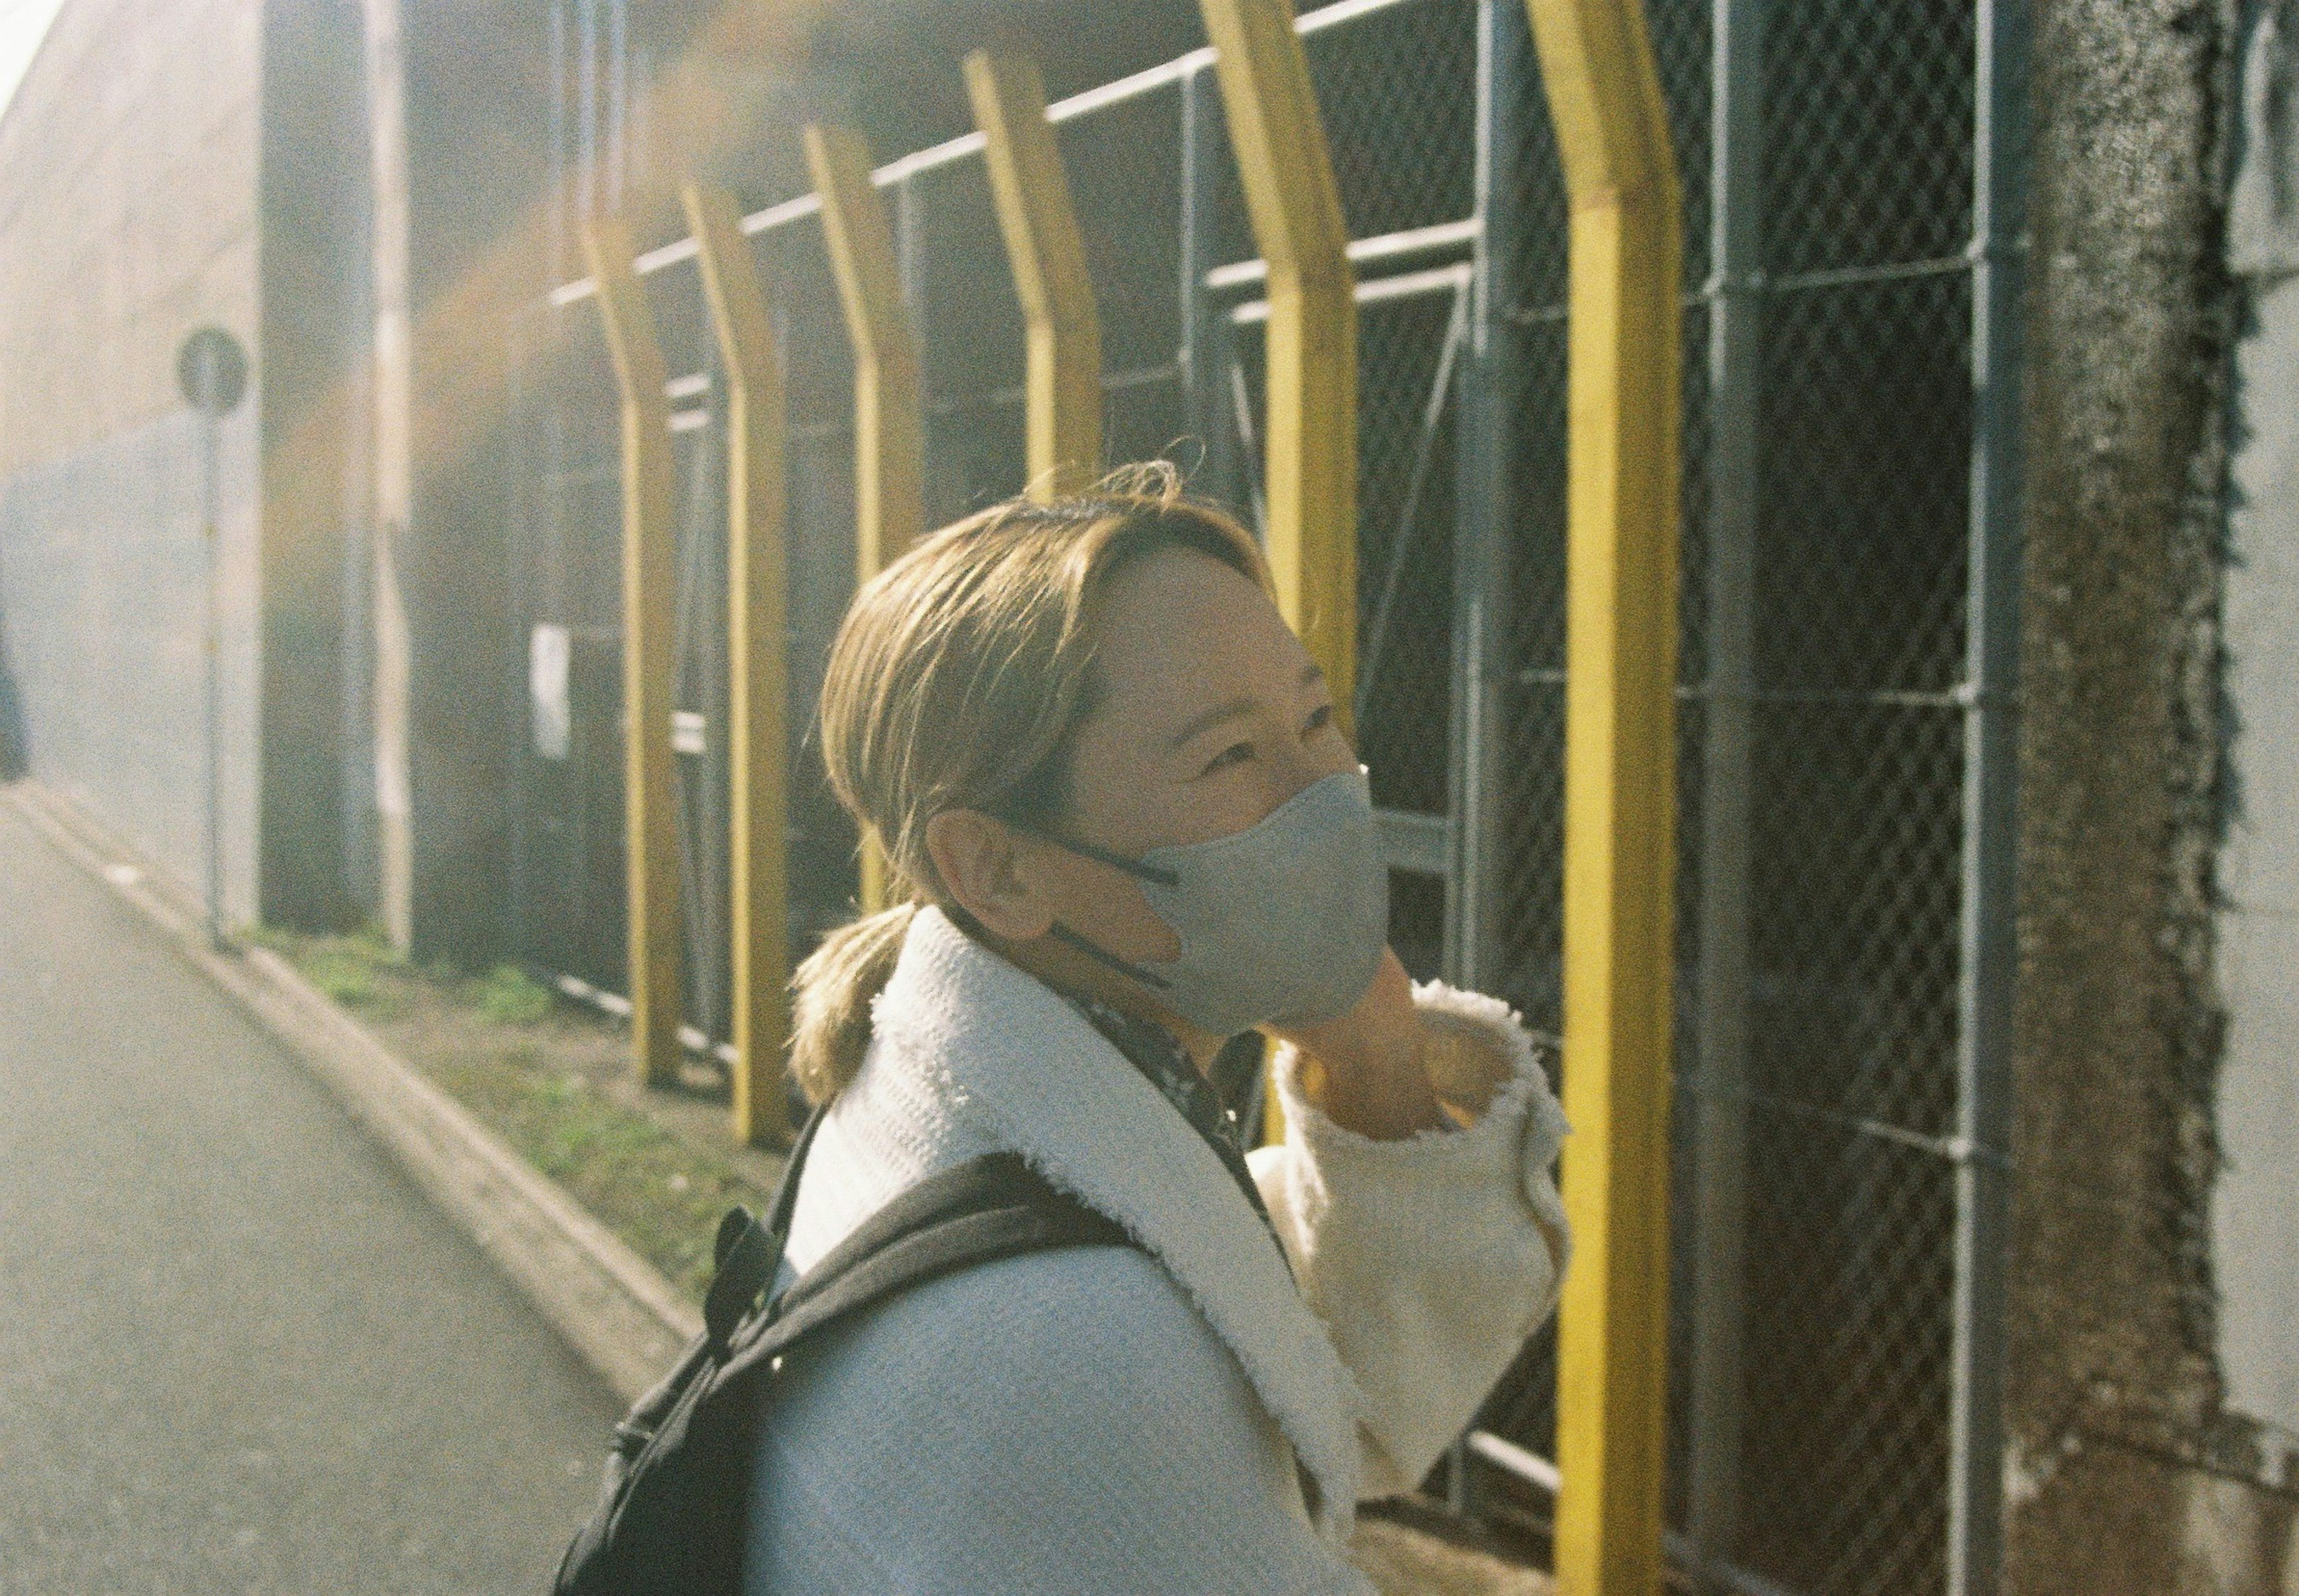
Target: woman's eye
[[1319, 719], [1236, 753]]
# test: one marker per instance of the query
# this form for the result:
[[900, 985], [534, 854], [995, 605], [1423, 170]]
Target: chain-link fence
[[1831, 1425]]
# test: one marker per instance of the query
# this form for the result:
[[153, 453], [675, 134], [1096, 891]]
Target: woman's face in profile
[[1212, 714]]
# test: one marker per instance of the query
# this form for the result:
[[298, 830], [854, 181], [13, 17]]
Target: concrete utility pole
[[391, 389]]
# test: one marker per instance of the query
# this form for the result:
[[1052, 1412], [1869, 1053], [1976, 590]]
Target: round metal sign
[[212, 370]]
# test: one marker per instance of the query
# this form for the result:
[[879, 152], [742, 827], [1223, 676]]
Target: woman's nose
[[1308, 761]]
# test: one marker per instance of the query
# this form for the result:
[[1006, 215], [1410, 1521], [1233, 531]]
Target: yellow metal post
[[1620, 791], [757, 647], [1311, 474], [889, 397], [1310, 478], [1063, 381], [650, 813]]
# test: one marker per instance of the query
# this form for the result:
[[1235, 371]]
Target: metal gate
[[1850, 178]]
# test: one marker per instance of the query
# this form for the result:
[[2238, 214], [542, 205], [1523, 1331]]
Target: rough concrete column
[[2117, 1475]]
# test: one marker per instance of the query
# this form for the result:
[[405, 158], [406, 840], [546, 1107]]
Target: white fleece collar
[[1006, 1052]]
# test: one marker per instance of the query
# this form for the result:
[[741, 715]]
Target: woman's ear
[[982, 868]]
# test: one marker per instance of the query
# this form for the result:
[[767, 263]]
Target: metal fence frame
[[1489, 266]]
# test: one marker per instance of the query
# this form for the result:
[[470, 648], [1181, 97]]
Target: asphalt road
[[239, 1351]]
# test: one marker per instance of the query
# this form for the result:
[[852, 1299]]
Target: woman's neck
[[1066, 969]]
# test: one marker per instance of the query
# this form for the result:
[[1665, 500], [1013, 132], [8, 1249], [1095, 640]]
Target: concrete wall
[[477, 143], [2127, 1469], [127, 217]]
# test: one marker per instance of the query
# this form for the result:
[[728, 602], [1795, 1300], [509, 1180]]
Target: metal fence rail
[[1851, 218]]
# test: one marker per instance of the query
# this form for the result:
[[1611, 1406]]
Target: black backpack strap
[[674, 1498], [749, 1251], [978, 1213]]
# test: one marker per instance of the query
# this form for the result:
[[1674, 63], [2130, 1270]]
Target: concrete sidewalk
[[238, 1350]]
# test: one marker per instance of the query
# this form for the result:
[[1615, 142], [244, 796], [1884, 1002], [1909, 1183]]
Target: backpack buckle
[[748, 1255]]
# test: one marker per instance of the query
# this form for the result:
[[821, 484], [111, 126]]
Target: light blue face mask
[[1284, 923]]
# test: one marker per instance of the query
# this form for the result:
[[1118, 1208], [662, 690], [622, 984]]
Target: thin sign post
[[212, 371]]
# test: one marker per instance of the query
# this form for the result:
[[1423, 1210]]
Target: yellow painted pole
[[757, 650], [650, 798], [889, 394], [1311, 474], [1310, 477], [1063, 379], [1620, 790]]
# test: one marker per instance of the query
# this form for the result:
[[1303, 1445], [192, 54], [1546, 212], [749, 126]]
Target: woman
[[1125, 824]]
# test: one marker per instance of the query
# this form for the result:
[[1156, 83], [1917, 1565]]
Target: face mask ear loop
[[1116, 861], [1062, 932]]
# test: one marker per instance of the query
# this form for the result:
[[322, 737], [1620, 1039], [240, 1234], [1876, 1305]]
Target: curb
[[617, 1312]]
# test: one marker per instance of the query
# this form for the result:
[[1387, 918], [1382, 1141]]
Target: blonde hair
[[958, 680]]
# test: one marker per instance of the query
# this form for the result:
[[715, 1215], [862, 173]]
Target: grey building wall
[[478, 123], [317, 860], [127, 217]]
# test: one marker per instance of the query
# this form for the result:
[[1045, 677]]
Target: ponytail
[[830, 1018]]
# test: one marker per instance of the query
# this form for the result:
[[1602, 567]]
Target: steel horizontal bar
[[1013, 393], [1961, 697], [1404, 286], [1720, 285], [1421, 843], [1348, 10], [1543, 1474], [615, 1003], [1383, 247], [1958, 697], [1719, 288], [1100, 98], [1164, 75], [1954, 1149]]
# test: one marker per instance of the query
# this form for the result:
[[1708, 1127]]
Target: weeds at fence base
[[508, 995]]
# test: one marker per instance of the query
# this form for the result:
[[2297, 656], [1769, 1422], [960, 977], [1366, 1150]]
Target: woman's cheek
[[1136, 933]]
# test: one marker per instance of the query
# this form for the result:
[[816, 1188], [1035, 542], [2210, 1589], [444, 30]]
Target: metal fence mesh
[[1854, 513]]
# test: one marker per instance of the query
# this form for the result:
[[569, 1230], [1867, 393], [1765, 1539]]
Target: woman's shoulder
[[1040, 1325], [1090, 1360], [1065, 1418]]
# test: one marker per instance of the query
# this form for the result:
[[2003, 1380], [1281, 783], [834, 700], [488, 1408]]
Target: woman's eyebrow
[[1214, 717], [1311, 674]]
